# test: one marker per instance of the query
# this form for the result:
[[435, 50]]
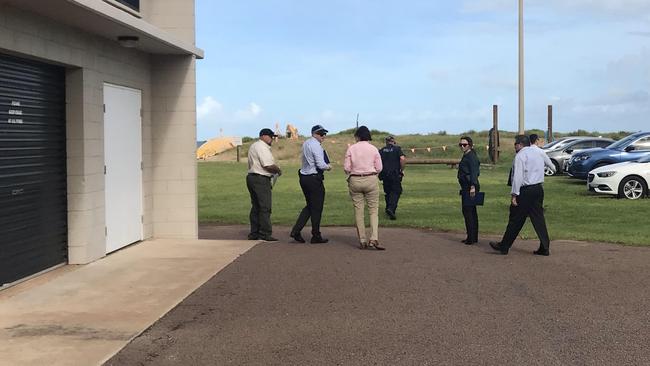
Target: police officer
[[393, 161]]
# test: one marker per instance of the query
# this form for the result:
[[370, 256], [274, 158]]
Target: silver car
[[560, 153]]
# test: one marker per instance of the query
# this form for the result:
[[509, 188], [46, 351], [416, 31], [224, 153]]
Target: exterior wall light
[[128, 41]]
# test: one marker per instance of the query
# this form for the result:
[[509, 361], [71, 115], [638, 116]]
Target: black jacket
[[468, 171]]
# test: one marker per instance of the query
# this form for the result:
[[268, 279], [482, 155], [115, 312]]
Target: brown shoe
[[363, 245], [375, 244]]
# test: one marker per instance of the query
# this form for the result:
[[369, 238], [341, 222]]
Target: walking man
[[527, 198], [261, 168], [393, 160], [535, 141], [311, 176]]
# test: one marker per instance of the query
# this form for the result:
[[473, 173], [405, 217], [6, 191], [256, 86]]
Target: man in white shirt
[[535, 141], [527, 198], [261, 168]]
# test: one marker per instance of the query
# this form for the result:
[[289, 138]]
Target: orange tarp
[[214, 147]]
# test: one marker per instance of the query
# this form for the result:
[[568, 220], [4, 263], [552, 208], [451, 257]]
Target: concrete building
[[97, 129]]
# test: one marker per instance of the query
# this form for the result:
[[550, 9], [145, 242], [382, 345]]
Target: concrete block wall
[[174, 16], [92, 61], [174, 147]]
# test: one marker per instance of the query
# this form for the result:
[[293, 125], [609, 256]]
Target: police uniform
[[391, 175]]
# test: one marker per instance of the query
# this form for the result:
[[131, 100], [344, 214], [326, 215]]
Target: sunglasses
[[462, 145]]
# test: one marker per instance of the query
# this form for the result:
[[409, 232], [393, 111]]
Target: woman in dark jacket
[[468, 172]]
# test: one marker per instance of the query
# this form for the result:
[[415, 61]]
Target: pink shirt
[[362, 158]]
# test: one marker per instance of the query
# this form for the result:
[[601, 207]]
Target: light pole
[[521, 67]]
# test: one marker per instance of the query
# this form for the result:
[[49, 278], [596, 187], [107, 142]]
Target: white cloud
[[252, 112], [207, 107]]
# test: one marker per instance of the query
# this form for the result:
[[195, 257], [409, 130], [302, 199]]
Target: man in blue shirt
[[314, 163]]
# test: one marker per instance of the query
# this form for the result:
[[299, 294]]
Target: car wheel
[[547, 171], [632, 188]]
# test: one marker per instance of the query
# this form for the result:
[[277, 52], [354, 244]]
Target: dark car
[[632, 147]]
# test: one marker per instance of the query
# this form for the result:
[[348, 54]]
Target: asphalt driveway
[[427, 300]]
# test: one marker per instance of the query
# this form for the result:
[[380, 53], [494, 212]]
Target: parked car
[[553, 144], [561, 153], [630, 148], [626, 180]]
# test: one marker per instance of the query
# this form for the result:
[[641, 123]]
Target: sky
[[421, 66]]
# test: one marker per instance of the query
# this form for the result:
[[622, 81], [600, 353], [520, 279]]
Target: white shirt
[[259, 156], [547, 160], [527, 169]]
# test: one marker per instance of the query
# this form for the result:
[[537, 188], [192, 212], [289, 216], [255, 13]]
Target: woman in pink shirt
[[362, 165]]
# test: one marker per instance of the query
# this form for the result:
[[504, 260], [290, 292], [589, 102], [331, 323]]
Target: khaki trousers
[[365, 190]]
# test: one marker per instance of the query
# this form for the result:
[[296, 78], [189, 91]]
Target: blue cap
[[319, 130]]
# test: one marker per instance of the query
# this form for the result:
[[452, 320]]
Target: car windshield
[[563, 143], [623, 142], [551, 144], [645, 159]]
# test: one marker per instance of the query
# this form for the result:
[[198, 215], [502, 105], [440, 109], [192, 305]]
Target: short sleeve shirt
[[259, 156]]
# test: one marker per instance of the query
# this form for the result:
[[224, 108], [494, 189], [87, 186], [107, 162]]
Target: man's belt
[[532, 185], [260, 175]]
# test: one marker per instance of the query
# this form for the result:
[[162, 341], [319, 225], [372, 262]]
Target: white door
[[123, 166]]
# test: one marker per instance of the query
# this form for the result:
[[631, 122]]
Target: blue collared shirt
[[313, 157]]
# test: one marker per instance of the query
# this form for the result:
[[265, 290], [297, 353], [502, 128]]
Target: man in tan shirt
[[261, 168]]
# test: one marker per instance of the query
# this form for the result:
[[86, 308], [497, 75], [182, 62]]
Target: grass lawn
[[430, 200]]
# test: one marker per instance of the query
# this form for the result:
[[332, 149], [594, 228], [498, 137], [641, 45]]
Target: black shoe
[[464, 241], [318, 240], [297, 237], [391, 214], [252, 236], [467, 242], [543, 252], [268, 238], [497, 246]]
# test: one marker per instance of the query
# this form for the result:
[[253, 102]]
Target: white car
[[626, 180]]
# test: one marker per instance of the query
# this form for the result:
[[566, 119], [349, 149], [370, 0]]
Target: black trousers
[[259, 188], [530, 204], [314, 190], [392, 191], [471, 223]]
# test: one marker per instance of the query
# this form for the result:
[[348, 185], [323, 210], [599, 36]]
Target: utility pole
[[521, 67], [549, 138], [357, 121]]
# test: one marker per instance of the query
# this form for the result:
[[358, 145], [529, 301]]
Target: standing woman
[[362, 165], [468, 172]]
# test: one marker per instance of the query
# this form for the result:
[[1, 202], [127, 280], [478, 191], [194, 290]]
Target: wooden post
[[238, 153], [550, 124], [493, 151]]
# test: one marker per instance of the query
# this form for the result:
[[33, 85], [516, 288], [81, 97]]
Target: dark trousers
[[259, 188], [392, 191], [530, 204], [314, 191], [471, 223]]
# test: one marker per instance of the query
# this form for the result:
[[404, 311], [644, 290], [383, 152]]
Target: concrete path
[[427, 300], [82, 315]]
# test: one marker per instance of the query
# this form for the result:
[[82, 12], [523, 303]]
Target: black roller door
[[33, 197]]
